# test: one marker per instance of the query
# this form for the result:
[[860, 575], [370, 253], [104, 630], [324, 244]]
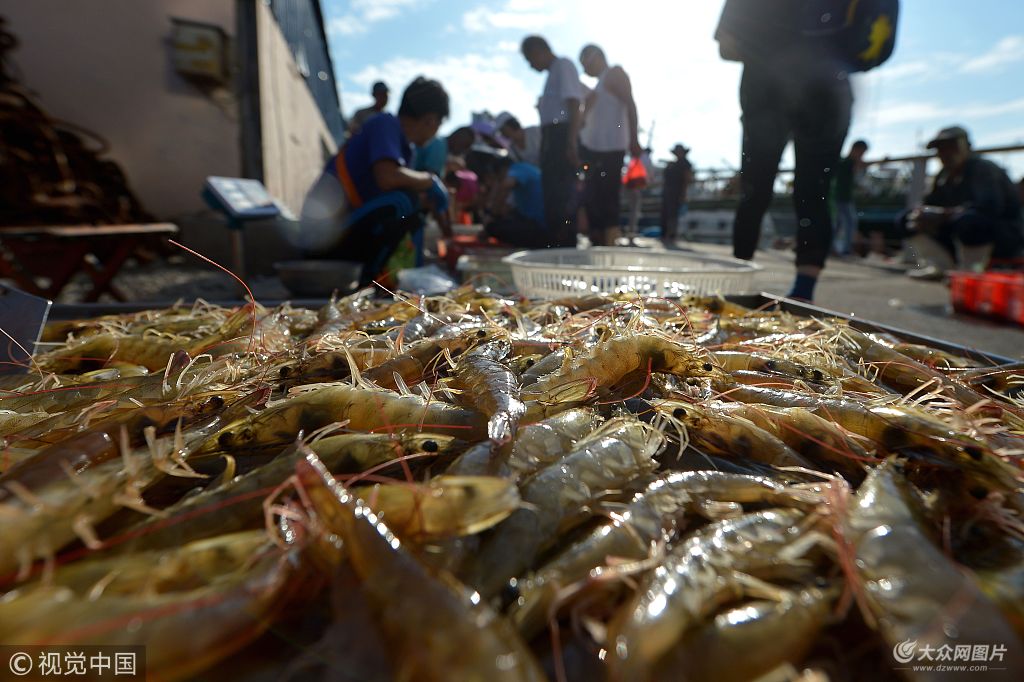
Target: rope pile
[[53, 172]]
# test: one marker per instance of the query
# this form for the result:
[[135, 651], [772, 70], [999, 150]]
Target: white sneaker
[[875, 258], [928, 273]]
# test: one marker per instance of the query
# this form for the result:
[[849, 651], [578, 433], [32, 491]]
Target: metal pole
[[237, 252], [915, 193]]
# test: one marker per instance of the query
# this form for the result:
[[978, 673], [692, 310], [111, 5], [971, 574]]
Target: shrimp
[[621, 450], [11, 456], [189, 607], [912, 590], [149, 351], [12, 422], [39, 517], [651, 516], [907, 375], [719, 433], [547, 441], [419, 360], [697, 577], [891, 427], [444, 506], [1002, 580], [609, 361], [818, 439], [717, 305], [492, 388], [752, 639], [332, 365], [199, 516], [364, 409], [97, 350], [933, 357], [1006, 381], [733, 361], [546, 365], [447, 632], [100, 443], [179, 373]]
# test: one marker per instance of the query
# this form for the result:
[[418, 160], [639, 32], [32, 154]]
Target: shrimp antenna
[[403, 299], [31, 359], [252, 299]]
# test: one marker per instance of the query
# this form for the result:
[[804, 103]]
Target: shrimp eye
[[818, 376], [530, 363], [769, 365], [430, 446], [707, 367], [978, 492], [286, 372], [974, 453], [679, 413], [225, 440], [480, 333]]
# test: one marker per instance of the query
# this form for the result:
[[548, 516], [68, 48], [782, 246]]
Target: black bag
[[863, 32]]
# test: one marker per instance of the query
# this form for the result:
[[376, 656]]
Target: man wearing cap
[[559, 108], [380, 100], [971, 215], [609, 131], [675, 182]]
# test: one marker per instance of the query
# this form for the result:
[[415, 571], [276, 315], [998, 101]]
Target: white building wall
[[295, 137]]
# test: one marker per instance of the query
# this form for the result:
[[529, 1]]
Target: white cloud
[[911, 112], [523, 15], [346, 25], [1007, 51], [474, 82], [363, 13]]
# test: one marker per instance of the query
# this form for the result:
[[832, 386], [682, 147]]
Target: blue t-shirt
[[527, 194], [432, 156], [380, 138]]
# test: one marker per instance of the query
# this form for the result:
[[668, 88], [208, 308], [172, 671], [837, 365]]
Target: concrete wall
[[295, 137], [106, 65]]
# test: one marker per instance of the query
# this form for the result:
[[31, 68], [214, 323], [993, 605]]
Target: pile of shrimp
[[471, 487]]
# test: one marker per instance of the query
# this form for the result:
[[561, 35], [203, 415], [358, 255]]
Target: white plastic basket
[[487, 270], [551, 273]]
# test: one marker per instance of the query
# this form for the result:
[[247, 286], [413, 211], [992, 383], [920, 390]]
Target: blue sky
[[955, 62]]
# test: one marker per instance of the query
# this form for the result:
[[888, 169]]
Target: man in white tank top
[[609, 130]]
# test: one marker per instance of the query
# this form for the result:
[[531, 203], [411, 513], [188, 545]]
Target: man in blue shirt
[[519, 222], [367, 198]]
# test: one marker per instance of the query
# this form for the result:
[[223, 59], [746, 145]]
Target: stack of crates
[[998, 295]]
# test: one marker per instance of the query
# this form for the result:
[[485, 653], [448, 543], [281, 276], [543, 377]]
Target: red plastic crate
[[992, 294]]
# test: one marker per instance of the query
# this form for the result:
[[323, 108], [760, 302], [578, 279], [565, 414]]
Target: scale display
[[242, 198]]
